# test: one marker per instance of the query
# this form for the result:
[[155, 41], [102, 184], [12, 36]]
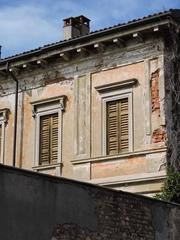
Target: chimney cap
[[76, 20]]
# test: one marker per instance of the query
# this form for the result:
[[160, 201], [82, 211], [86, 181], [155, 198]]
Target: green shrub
[[171, 189]]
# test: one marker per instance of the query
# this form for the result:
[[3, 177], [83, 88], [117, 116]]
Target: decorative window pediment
[[48, 104], [117, 85]]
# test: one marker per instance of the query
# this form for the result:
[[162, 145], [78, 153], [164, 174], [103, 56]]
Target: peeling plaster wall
[[51, 208], [82, 121]]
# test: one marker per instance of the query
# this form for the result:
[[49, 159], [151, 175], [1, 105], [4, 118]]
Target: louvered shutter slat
[[124, 125], [44, 140], [54, 138], [117, 126], [49, 139], [112, 128]]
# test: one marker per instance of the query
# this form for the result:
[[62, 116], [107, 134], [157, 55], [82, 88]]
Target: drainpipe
[[15, 112]]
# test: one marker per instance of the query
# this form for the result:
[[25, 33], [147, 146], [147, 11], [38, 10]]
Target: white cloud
[[25, 26]]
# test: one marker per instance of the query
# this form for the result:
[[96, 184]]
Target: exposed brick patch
[[155, 91], [159, 135]]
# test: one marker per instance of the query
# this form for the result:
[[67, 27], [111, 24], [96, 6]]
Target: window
[[117, 126], [117, 117], [48, 139], [48, 130]]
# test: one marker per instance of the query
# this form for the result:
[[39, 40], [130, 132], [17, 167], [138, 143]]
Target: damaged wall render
[[46, 207], [93, 107]]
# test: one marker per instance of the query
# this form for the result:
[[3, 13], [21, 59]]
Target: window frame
[[42, 108], [39, 133], [111, 92], [115, 108], [114, 96]]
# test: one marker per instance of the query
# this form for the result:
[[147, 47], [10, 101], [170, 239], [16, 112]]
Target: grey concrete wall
[[41, 207]]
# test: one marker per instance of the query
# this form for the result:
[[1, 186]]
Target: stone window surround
[[42, 108], [111, 92], [3, 122]]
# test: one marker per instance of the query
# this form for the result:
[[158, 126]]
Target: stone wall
[[36, 206]]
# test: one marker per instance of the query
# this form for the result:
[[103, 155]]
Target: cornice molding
[[115, 86], [59, 101]]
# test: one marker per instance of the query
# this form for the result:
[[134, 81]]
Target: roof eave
[[175, 14]]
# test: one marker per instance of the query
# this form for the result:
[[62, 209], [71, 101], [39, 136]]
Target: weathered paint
[[82, 139]]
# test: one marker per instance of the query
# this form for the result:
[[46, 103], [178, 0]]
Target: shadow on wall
[[73, 231], [42, 207]]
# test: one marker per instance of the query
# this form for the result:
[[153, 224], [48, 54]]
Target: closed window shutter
[[49, 139], [44, 140], [54, 138], [123, 125], [117, 126], [112, 127]]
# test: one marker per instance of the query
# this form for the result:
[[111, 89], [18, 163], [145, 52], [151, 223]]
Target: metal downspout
[[15, 113]]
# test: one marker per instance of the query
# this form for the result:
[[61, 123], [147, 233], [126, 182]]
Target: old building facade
[[92, 107]]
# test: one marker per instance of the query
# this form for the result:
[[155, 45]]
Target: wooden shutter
[[54, 138], [112, 127], [49, 139], [123, 125], [117, 126], [44, 140]]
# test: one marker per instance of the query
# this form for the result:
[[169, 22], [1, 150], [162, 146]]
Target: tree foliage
[[172, 97], [171, 189]]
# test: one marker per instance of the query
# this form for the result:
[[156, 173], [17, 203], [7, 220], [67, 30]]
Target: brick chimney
[[76, 27]]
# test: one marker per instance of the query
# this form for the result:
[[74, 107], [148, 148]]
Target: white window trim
[[111, 92], [3, 122], [47, 107]]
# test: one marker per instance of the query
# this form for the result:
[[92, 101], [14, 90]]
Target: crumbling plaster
[[62, 78]]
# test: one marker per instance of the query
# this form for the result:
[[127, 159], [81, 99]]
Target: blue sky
[[25, 25]]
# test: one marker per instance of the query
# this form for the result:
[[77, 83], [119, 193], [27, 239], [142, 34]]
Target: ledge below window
[[49, 166], [119, 157]]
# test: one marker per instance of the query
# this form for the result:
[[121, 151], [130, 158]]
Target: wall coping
[[55, 179]]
